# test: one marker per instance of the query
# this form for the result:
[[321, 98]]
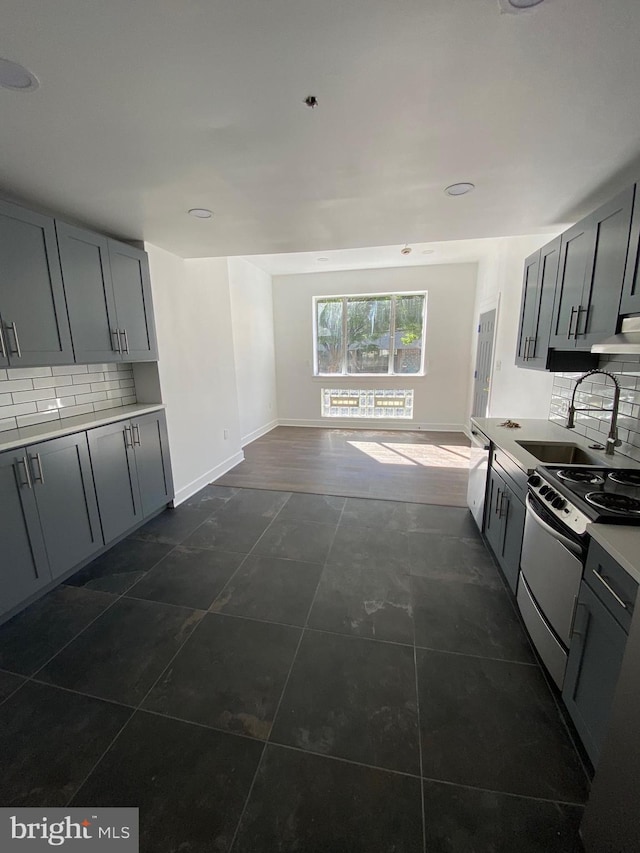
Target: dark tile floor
[[259, 671]]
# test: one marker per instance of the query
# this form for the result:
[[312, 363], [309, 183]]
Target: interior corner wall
[[251, 295], [515, 391], [440, 397], [196, 367]]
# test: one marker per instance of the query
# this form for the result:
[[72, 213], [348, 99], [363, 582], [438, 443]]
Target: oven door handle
[[568, 543]]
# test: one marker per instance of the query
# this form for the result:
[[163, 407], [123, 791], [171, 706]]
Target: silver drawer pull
[[116, 335], [136, 434], [125, 349], [128, 437], [40, 476], [17, 352], [607, 587], [27, 475]]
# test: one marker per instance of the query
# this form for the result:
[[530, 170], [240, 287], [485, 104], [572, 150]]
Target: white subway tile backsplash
[[72, 411], [29, 372], [35, 395], [69, 371], [55, 403], [129, 401]]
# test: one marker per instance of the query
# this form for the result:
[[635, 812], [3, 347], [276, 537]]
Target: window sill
[[340, 377]]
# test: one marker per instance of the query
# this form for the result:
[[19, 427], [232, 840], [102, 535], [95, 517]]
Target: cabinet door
[[538, 352], [529, 308], [114, 471], [600, 302], [631, 289], [595, 657], [514, 516], [32, 304], [575, 254], [66, 499], [152, 461], [23, 559], [134, 308], [84, 258], [494, 526]]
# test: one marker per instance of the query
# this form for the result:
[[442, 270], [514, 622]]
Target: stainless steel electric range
[[562, 501]]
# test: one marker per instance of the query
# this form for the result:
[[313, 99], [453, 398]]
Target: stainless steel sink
[[561, 454]]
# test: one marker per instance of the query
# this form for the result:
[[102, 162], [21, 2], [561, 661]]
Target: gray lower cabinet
[[131, 471], [599, 637], [504, 526], [152, 461], [23, 567], [66, 499], [34, 327], [114, 470]]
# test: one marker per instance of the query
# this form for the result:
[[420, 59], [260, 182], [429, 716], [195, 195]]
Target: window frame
[[392, 332]]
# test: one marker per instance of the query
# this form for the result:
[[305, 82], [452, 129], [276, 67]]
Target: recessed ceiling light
[[17, 77], [200, 213], [405, 250], [322, 260], [518, 5], [459, 189], [428, 251]]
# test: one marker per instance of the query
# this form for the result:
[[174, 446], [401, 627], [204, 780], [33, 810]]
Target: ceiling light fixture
[[459, 189], [516, 6], [405, 250], [428, 251], [17, 77], [322, 260], [200, 213]]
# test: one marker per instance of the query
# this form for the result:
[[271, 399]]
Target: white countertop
[[622, 542], [542, 430], [55, 429]]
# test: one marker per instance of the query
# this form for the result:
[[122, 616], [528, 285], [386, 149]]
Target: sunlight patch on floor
[[427, 455], [384, 454]]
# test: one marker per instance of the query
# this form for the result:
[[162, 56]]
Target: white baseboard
[[194, 486], [369, 424], [258, 433]]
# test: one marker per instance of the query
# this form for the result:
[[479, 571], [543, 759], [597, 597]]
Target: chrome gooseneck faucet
[[612, 440]]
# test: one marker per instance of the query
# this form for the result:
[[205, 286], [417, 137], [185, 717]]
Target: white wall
[[196, 367], [515, 392], [440, 397], [252, 321]]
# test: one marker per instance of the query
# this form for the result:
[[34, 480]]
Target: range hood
[[626, 341]]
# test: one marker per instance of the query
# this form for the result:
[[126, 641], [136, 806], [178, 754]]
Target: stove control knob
[[550, 495], [534, 480], [544, 490], [559, 503]]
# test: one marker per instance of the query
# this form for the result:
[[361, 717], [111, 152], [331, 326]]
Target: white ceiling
[[150, 107]]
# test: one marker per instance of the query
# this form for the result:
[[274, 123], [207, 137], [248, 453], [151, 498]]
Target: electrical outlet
[[498, 365], [564, 408]]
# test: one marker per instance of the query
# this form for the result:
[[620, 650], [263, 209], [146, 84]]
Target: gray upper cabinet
[[529, 309], [134, 308], [23, 567], [631, 289], [116, 479], [84, 258], [33, 312], [152, 461], [591, 275], [66, 499]]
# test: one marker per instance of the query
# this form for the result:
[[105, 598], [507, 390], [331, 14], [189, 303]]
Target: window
[[370, 334]]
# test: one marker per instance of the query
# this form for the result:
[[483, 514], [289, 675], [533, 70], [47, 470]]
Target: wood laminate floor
[[418, 467]]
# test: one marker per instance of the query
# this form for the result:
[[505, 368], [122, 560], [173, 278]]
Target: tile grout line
[[284, 688], [415, 673]]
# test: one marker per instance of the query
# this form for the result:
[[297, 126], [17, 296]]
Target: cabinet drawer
[[514, 477], [611, 583]]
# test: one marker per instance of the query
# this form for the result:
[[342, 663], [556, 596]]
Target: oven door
[[551, 563]]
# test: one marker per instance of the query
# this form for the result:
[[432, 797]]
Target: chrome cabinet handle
[[574, 311], [580, 311], [17, 352], [27, 475], [531, 352], [3, 348], [526, 349], [123, 333], [136, 434], [116, 334], [128, 437], [503, 498], [40, 476], [596, 572], [498, 502]]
